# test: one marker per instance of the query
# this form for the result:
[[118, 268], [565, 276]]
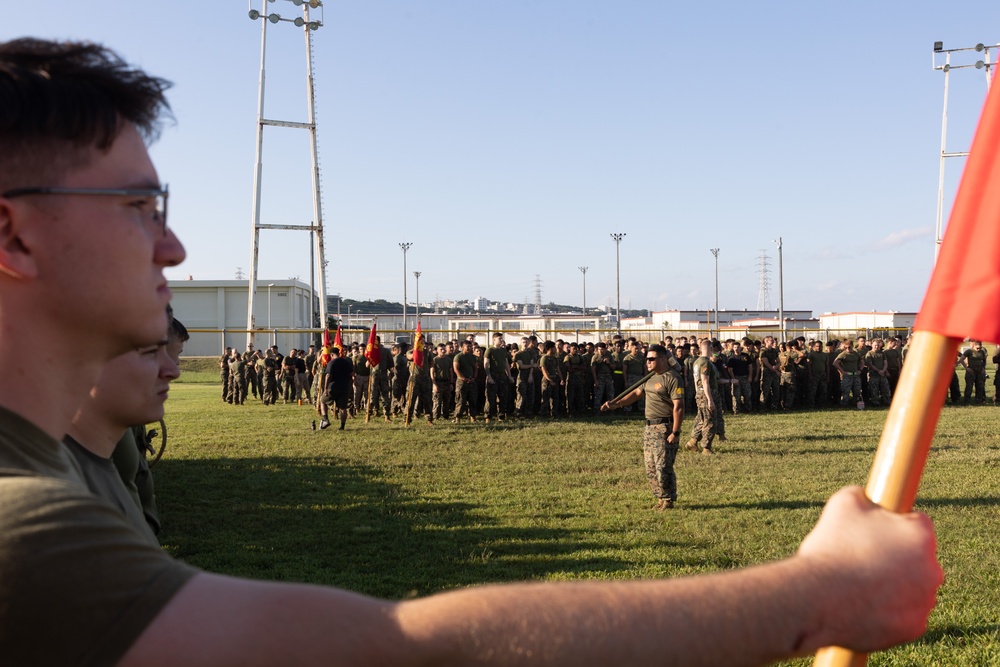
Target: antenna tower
[[764, 289], [307, 25]]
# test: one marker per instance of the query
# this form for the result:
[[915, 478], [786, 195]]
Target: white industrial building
[[839, 324], [215, 311]]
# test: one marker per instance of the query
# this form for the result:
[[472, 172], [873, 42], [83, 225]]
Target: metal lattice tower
[[764, 290], [316, 228], [538, 294]]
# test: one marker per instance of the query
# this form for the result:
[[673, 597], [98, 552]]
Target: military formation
[[460, 380]]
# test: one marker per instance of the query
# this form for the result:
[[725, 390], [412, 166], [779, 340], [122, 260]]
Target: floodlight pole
[[583, 270], [404, 247], [316, 226], [781, 293], [618, 236], [416, 274], [715, 253], [947, 67]]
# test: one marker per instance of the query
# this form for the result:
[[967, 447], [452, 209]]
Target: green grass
[[396, 512]]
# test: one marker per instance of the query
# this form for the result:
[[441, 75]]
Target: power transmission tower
[[538, 294], [764, 289]]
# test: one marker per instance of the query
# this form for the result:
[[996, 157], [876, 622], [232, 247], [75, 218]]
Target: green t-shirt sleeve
[[77, 584]]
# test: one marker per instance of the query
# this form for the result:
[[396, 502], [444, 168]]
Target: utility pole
[[781, 293], [583, 270], [416, 274], [618, 236]]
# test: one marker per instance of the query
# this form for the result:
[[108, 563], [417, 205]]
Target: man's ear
[[16, 257]]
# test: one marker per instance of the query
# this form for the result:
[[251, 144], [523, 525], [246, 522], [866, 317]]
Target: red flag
[[373, 351], [418, 348], [338, 342], [326, 337], [964, 290]]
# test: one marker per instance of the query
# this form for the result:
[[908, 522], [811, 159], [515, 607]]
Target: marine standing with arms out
[[664, 394]]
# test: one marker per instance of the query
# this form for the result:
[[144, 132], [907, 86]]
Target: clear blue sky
[[509, 139]]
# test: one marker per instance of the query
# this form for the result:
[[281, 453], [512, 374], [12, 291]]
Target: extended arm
[[864, 579]]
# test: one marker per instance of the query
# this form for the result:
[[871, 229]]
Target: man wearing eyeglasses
[[664, 394], [84, 240]]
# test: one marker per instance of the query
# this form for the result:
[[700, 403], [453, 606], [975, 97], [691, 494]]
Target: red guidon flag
[[961, 300], [418, 348], [338, 342], [373, 351]]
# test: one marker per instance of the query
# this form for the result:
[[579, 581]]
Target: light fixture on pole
[[416, 274], [947, 66], [583, 270], [781, 292], [405, 247], [618, 285], [715, 253]]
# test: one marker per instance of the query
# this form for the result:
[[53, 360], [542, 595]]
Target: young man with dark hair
[[83, 238]]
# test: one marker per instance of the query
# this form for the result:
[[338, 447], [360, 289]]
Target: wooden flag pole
[[906, 439]]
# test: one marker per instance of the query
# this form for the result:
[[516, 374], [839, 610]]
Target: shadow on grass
[[923, 503], [763, 505], [327, 521], [936, 635]]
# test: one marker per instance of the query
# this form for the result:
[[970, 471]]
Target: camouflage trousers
[[270, 389], [379, 395], [850, 384], [768, 390], [704, 423], [720, 421], [788, 390], [225, 386], [496, 395], [742, 401], [550, 399], [576, 395], [878, 387], [604, 391], [237, 388], [442, 399], [818, 391], [360, 393], [465, 398], [659, 456], [420, 399], [525, 393]]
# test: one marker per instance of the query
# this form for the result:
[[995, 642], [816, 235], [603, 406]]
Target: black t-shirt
[[739, 364], [338, 375]]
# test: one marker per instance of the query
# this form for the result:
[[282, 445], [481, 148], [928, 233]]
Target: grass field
[[396, 512]]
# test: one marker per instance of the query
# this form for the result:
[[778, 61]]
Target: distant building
[[856, 323], [219, 307]]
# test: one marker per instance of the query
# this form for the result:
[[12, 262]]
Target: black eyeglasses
[[157, 212], [649, 359]]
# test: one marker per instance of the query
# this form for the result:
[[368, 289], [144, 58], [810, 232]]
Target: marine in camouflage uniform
[[602, 374], [361, 373], [740, 365], [634, 365], [400, 378], [526, 364], [224, 374], [706, 387], [379, 383], [878, 375], [498, 378], [420, 395], [974, 360], [664, 398], [465, 368], [552, 379], [576, 380], [250, 373], [848, 364], [270, 379], [237, 378], [769, 387], [819, 374], [788, 363], [443, 377]]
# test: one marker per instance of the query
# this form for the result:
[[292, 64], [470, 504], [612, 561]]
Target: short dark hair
[[178, 331], [659, 349], [60, 99]]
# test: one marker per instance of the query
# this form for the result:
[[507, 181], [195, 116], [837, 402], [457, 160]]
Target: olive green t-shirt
[[466, 364], [703, 366], [661, 391], [601, 364], [849, 361], [78, 585], [499, 359], [771, 354], [817, 364]]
